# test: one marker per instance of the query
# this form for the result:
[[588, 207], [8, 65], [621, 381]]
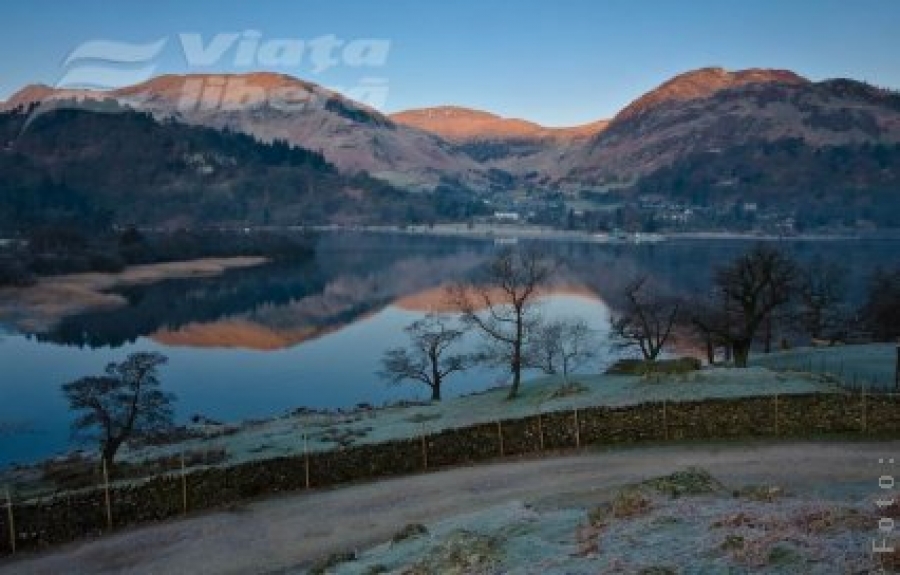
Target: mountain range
[[709, 136]]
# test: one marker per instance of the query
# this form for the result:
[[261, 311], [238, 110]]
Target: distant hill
[[462, 125], [516, 147], [680, 120], [271, 106], [703, 83], [112, 164], [710, 136]]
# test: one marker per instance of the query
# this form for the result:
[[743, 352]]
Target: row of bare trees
[[752, 299], [501, 306], [750, 296]]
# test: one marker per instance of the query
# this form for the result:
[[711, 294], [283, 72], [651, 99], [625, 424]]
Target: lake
[[261, 341]]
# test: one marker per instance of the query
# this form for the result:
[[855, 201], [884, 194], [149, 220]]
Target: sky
[[560, 62]]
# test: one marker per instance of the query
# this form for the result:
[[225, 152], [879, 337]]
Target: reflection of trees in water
[[173, 303], [349, 295], [340, 285], [354, 275]]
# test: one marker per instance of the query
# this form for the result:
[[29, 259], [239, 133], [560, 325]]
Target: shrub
[[677, 366], [629, 503], [691, 481], [325, 564], [410, 531]]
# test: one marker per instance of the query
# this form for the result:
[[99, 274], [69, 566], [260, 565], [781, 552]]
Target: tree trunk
[[435, 378], [768, 337], [517, 357], [517, 378], [741, 352], [108, 453], [710, 351]]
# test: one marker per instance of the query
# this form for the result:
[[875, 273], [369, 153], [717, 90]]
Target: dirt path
[[283, 532]]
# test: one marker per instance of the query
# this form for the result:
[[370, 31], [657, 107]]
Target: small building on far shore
[[510, 217]]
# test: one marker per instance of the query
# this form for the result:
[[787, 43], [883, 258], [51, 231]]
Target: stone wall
[[65, 517]]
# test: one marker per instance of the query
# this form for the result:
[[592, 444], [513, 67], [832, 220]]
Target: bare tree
[[706, 319], [881, 311], [503, 307], [123, 403], [647, 320], [427, 360], [822, 291], [751, 288], [561, 346]]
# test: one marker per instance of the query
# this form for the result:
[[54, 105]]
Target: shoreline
[[326, 430], [797, 371], [509, 233], [37, 308]]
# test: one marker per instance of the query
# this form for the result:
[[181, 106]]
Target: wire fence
[[851, 372]]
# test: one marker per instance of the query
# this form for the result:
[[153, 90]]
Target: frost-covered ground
[[285, 435], [641, 528], [870, 365]]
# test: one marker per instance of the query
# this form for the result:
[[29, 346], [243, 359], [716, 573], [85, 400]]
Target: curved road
[[291, 530]]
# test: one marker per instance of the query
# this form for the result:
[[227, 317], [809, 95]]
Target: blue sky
[[559, 63]]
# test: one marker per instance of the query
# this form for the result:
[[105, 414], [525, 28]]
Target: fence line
[[68, 516], [848, 379]]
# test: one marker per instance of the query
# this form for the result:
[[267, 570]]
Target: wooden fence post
[[500, 436], [11, 521], [776, 415], [577, 430], [665, 423], [184, 506], [106, 494], [306, 459], [864, 415], [540, 429]]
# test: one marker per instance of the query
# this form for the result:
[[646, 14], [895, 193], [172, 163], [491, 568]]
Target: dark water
[[258, 342]]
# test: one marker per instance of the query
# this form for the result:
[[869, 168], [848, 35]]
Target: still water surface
[[259, 342]]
